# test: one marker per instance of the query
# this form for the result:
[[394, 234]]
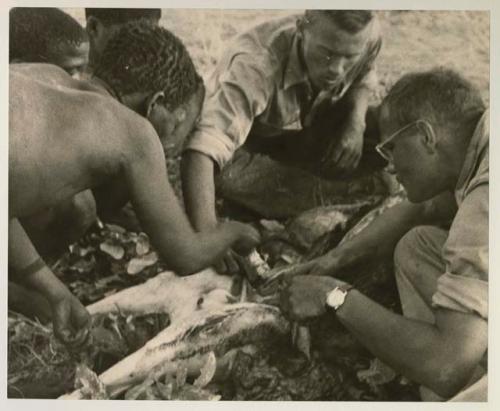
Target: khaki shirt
[[260, 86], [464, 285]]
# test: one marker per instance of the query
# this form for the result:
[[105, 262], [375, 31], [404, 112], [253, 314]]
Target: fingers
[[349, 159], [231, 263], [228, 264], [61, 324], [221, 267], [301, 269]]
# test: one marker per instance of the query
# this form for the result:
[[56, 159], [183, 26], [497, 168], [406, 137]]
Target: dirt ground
[[415, 40]]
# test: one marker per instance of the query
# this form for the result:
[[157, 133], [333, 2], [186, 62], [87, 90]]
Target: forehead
[[70, 55], [327, 33]]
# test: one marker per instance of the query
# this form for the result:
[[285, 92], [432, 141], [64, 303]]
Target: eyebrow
[[334, 53]]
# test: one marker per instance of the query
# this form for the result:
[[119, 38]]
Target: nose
[[390, 168], [336, 66]]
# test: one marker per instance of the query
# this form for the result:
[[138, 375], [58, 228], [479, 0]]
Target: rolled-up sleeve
[[235, 96], [464, 285]]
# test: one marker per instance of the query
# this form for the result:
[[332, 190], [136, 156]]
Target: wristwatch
[[336, 297]]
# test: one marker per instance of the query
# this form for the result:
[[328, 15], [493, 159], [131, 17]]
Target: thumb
[[60, 323]]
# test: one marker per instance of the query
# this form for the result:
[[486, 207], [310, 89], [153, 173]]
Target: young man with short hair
[[436, 139], [106, 134], [295, 89], [47, 35], [102, 23]]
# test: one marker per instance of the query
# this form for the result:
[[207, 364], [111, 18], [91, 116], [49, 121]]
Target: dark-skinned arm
[[197, 172], [162, 218], [70, 318]]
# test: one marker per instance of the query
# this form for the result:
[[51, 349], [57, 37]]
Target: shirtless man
[[107, 134]]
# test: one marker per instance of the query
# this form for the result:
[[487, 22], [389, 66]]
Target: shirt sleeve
[[236, 94], [464, 285]]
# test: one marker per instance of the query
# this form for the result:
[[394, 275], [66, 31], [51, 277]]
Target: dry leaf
[[115, 251], [90, 383], [136, 265], [142, 245], [207, 372]]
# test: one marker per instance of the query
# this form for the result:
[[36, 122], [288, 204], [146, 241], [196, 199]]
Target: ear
[[93, 27], [180, 114], [155, 99], [300, 23], [429, 138]]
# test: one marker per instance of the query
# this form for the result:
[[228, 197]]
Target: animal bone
[[188, 341]]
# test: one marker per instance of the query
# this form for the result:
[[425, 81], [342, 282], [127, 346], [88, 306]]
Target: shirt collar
[[295, 72]]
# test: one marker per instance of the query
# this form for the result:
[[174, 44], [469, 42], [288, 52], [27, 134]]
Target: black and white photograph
[[248, 204]]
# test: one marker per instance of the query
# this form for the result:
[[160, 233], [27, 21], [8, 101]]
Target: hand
[[228, 264], [304, 297], [247, 237], [345, 154], [71, 320]]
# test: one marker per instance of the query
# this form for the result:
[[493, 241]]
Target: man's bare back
[[106, 134], [66, 136]]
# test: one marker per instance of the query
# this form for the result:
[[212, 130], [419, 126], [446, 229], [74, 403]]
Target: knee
[[419, 245], [404, 254]]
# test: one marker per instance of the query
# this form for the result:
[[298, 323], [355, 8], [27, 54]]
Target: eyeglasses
[[386, 152]]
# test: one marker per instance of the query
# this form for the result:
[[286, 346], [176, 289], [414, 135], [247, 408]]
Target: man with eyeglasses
[[436, 130], [286, 107]]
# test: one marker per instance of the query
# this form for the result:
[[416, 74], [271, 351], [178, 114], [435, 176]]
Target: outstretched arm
[[70, 318], [379, 239], [165, 222]]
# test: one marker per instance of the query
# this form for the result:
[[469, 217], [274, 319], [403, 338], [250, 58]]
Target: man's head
[[426, 122], [151, 71], [102, 23], [332, 42], [47, 35]]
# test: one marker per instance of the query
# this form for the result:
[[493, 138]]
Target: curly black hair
[[141, 57], [36, 33], [109, 16]]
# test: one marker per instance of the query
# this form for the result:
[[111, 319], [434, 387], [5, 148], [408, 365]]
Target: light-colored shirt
[[464, 285], [260, 86]]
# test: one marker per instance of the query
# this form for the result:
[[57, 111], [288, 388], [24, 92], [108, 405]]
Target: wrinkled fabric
[[464, 284], [259, 86]]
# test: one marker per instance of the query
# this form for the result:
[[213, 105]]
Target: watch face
[[335, 298]]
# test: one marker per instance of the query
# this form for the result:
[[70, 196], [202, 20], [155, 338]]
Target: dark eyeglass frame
[[421, 124]]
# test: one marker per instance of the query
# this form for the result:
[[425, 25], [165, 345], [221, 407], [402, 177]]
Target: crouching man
[[106, 134], [436, 138]]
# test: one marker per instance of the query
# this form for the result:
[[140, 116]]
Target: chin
[[419, 196]]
